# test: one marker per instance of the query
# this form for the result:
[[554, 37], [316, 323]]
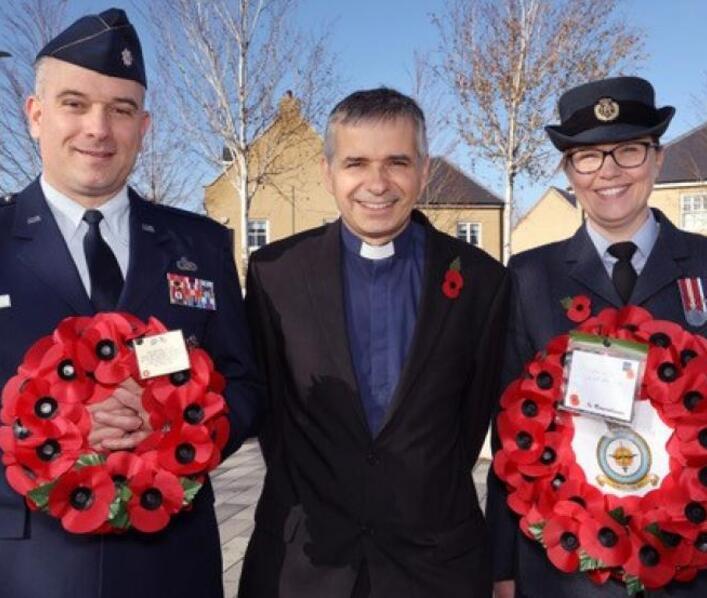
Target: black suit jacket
[[542, 277], [403, 501], [39, 558]]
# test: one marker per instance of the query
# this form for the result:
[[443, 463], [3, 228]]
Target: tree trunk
[[508, 214]]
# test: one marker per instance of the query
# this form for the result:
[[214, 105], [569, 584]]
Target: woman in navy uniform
[[624, 253]]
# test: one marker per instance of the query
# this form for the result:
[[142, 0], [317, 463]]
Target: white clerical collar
[[377, 252]]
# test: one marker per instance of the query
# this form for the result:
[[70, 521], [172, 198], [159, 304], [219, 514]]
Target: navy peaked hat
[[106, 43], [607, 111]]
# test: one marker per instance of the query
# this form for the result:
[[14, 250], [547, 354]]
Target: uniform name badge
[[161, 354], [191, 292], [602, 377]]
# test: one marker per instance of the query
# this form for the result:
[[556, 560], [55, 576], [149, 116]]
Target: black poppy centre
[[81, 498], [45, 407], [185, 453], [151, 499], [105, 350], [66, 370]]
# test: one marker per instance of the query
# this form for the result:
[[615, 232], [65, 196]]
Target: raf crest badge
[[606, 110], [624, 458]]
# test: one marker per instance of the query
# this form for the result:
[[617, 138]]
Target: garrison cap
[[608, 111], [106, 43]]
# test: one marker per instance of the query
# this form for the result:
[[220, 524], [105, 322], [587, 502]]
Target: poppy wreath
[[44, 428], [643, 541]]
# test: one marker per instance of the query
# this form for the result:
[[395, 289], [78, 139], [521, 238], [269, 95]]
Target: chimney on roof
[[289, 105]]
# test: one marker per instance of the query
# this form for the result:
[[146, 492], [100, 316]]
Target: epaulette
[[7, 200]]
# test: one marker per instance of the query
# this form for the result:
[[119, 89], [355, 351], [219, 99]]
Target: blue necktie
[[103, 268]]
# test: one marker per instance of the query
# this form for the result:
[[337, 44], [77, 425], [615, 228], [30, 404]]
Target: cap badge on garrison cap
[[127, 57], [606, 110]]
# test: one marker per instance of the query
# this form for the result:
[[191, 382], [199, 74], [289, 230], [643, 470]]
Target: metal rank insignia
[[127, 57], [692, 293], [191, 292]]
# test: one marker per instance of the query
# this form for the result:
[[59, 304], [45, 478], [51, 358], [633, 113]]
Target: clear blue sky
[[375, 40]]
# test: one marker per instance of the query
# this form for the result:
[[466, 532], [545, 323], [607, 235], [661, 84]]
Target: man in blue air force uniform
[[381, 376], [78, 241]]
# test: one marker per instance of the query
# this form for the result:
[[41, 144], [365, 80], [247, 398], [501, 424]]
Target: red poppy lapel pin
[[578, 308], [453, 279]]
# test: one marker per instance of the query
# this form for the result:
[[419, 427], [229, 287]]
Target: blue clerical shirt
[[381, 294]]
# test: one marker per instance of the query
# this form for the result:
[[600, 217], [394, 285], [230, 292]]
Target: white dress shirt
[[644, 238], [115, 227]]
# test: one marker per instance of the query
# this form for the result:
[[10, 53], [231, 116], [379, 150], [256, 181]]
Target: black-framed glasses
[[626, 155]]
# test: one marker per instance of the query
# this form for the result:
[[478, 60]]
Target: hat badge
[[606, 109], [127, 57]]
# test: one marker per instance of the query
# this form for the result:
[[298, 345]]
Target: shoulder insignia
[[7, 200]]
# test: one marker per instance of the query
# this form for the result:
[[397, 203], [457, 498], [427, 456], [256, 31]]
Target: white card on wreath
[[162, 354], [602, 385]]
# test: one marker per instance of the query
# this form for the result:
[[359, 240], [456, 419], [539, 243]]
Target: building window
[[693, 212], [257, 234], [469, 232]]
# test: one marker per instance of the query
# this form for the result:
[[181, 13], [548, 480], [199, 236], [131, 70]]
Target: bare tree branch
[[27, 25], [508, 61], [227, 63]]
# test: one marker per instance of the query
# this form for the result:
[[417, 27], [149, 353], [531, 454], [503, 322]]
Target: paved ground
[[237, 484]]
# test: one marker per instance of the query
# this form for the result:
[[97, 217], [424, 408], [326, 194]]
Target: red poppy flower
[[186, 450], [690, 439], [599, 576], [20, 478], [603, 538], [47, 448], [561, 537], [103, 348], [521, 444], [556, 451], [35, 399], [123, 466], [618, 323], [650, 560], [694, 480], [453, 283], [81, 499], [57, 363], [688, 394], [664, 334], [220, 430], [156, 497], [182, 387], [663, 370], [544, 377], [579, 308]]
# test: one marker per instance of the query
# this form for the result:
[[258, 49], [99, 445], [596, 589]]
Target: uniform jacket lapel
[[43, 251], [324, 282], [149, 255], [663, 265], [585, 267], [431, 314]]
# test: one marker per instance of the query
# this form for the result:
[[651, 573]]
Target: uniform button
[[372, 458]]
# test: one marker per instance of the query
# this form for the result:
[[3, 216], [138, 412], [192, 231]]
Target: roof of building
[[568, 195], [686, 158], [448, 185]]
